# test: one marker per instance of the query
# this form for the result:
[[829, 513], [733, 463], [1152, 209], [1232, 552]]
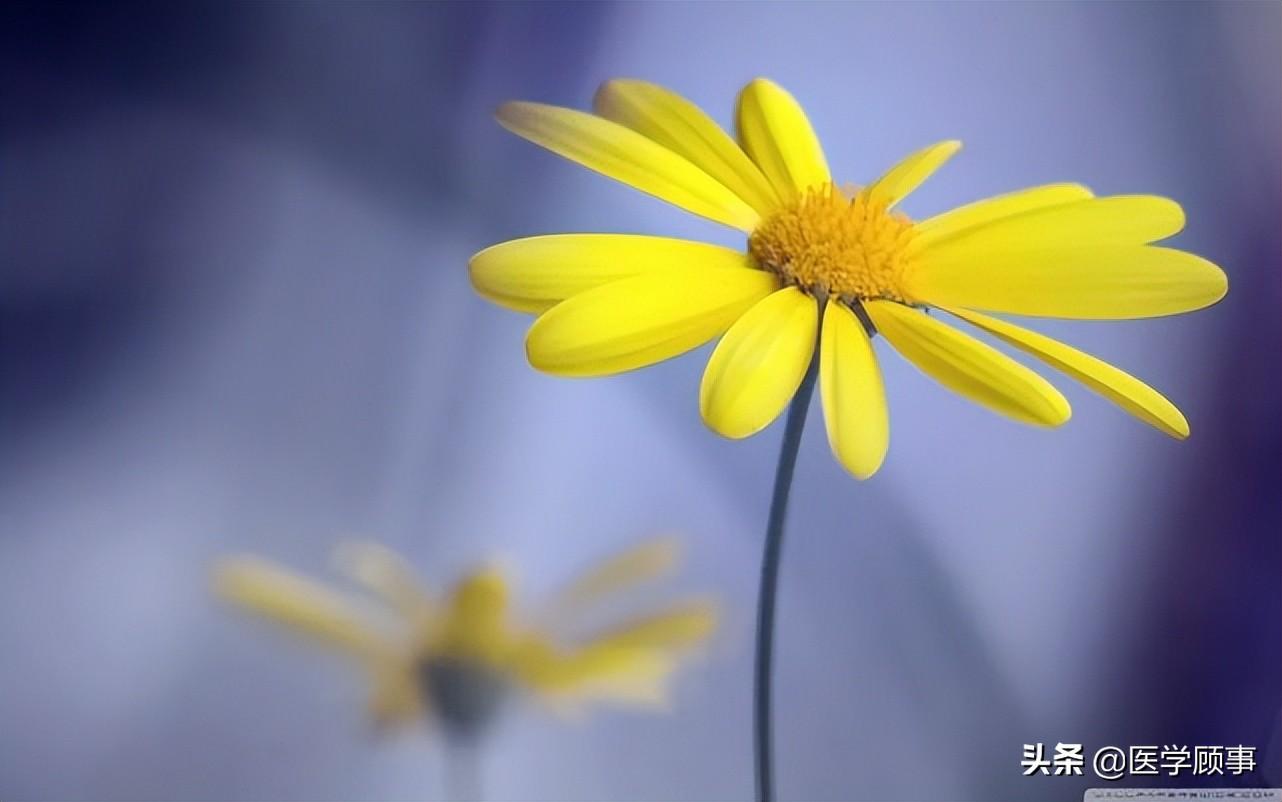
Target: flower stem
[[462, 770], [770, 559]]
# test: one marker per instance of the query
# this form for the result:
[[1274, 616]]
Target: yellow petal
[[387, 575], [968, 367], [629, 664], [686, 130], [536, 273], [854, 399], [678, 628], [759, 364], [598, 672], [640, 685], [941, 226], [773, 128], [396, 700], [301, 604], [906, 176], [642, 563], [1120, 387], [625, 155], [476, 623], [641, 320], [1115, 220], [1108, 282]]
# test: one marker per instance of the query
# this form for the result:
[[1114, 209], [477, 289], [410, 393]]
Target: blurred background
[[235, 316]]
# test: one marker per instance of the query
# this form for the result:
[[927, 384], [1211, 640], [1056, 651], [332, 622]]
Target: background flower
[[452, 662]]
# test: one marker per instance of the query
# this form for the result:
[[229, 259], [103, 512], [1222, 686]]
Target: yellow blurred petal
[[677, 628], [396, 700], [625, 675], [642, 320], [773, 128], [387, 575], [906, 176], [1116, 220], [625, 155], [1116, 385], [854, 400], [686, 130], [941, 226], [1095, 283], [536, 273], [642, 563], [759, 364], [968, 367], [301, 604], [643, 688], [476, 625]]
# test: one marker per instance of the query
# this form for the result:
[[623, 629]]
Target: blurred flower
[[612, 302], [454, 661]]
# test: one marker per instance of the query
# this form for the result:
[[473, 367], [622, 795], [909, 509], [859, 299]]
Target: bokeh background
[[234, 315]]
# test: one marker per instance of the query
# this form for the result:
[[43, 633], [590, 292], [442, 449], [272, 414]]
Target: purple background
[[234, 315]]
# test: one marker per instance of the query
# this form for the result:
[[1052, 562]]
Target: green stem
[[770, 578]]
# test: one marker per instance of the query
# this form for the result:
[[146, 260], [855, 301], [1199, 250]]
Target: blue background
[[234, 315]]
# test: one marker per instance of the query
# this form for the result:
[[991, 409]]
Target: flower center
[[465, 694], [831, 244]]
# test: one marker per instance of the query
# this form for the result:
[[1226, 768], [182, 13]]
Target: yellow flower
[[456, 660], [822, 259]]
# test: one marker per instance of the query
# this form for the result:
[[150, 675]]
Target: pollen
[[833, 244]]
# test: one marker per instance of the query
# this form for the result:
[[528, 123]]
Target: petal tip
[[514, 115], [1177, 427], [476, 259], [1215, 286], [762, 85], [1061, 411], [534, 351], [1177, 215], [508, 109], [724, 427], [518, 114], [1221, 284], [605, 94], [862, 469], [621, 82]]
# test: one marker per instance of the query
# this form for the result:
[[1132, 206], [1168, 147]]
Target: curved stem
[[796, 422]]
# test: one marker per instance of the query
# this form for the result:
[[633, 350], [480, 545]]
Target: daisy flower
[[454, 661], [824, 268]]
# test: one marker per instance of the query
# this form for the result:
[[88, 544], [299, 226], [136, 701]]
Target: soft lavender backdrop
[[234, 315]]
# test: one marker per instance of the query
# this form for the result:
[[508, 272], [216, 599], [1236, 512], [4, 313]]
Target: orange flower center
[[829, 243]]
